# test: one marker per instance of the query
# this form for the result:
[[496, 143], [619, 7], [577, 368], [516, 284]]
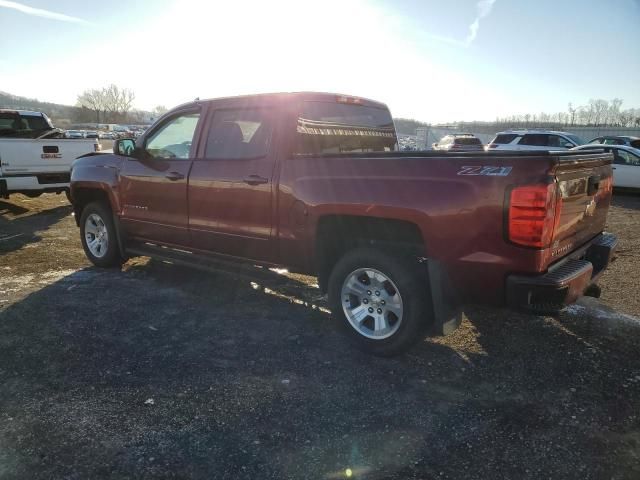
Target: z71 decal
[[487, 171]]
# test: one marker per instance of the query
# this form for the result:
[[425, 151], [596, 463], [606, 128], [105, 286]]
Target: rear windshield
[[330, 127], [504, 138], [468, 141]]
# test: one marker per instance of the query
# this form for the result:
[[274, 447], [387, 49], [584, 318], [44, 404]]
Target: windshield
[[576, 139]]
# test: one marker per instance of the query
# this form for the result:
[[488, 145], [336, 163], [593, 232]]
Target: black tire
[[111, 256], [32, 194], [412, 285], [67, 194]]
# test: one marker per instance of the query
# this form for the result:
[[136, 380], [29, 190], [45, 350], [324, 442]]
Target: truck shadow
[[211, 371], [17, 232]]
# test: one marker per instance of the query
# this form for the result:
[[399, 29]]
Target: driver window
[[173, 139]]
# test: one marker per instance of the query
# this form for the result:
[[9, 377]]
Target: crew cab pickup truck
[[34, 156], [313, 182]]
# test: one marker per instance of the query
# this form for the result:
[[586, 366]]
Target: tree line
[[596, 113]]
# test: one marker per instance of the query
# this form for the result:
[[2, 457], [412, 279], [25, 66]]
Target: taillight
[[606, 186], [533, 215]]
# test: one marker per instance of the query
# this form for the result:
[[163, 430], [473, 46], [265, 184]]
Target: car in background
[[534, 140], [618, 140], [107, 135], [626, 163], [75, 134], [91, 134], [459, 142]]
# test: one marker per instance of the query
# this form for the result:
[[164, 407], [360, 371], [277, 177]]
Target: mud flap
[[447, 312]]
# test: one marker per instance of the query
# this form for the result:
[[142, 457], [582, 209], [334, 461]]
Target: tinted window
[[240, 133], [504, 138], [537, 140], [12, 121], [330, 127], [635, 143], [468, 141], [173, 139], [596, 140], [613, 141]]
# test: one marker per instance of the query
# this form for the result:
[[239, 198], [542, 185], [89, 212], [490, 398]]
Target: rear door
[[231, 183], [153, 186]]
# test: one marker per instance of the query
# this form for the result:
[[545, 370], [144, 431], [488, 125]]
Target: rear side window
[[536, 140], [468, 141], [331, 127], [239, 134], [13, 121], [613, 141], [504, 138], [635, 144]]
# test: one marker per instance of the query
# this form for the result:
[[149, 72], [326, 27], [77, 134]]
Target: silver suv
[[534, 140]]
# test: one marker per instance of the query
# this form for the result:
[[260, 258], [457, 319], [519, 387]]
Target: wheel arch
[[337, 234]]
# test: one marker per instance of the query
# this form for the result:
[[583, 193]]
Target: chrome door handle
[[255, 180], [173, 176]]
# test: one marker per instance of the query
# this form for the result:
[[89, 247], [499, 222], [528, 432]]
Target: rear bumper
[[43, 182], [566, 281]]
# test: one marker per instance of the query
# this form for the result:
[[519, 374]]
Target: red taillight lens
[[533, 211]]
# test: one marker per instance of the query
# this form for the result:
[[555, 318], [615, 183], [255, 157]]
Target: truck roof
[[24, 113], [288, 96]]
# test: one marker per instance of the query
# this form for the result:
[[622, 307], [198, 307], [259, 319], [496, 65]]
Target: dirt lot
[[157, 371]]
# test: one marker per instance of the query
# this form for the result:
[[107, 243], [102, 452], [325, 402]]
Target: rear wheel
[[382, 300], [99, 236]]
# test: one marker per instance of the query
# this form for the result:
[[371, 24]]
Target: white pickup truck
[[34, 156]]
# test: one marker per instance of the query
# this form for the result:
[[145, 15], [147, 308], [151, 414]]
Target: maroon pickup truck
[[313, 182]]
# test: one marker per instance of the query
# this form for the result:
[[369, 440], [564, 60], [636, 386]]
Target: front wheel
[[99, 236], [382, 300]]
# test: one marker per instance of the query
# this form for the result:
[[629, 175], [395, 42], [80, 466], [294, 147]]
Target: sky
[[431, 60]]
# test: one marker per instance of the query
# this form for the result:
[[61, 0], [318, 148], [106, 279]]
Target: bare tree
[[93, 100]]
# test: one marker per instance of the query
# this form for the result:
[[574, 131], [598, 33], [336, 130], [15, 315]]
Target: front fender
[[97, 173]]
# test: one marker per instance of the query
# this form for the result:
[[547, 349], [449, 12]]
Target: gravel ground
[[155, 371]]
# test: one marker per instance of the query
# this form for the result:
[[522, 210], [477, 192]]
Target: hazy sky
[[432, 60]]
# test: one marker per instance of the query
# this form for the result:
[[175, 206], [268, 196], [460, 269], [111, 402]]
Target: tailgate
[[584, 194]]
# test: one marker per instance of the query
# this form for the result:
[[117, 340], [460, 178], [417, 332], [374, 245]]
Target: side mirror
[[569, 145], [124, 146], [434, 145]]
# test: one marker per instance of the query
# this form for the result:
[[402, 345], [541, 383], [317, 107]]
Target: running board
[[209, 263]]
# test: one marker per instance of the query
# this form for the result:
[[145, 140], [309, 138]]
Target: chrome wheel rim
[[96, 235], [372, 303]]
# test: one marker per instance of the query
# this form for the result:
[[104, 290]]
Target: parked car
[[91, 134], [618, 140], [399, 240], [460, 142], [75, 134], [626, 163], [34, 165], [534, 140]]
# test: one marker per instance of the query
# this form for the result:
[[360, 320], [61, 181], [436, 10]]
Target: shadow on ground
[[159, 371], [19, 225]]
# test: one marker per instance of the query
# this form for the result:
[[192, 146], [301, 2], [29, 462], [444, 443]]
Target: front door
[[153, 185], [626, 169], [230, 187]]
